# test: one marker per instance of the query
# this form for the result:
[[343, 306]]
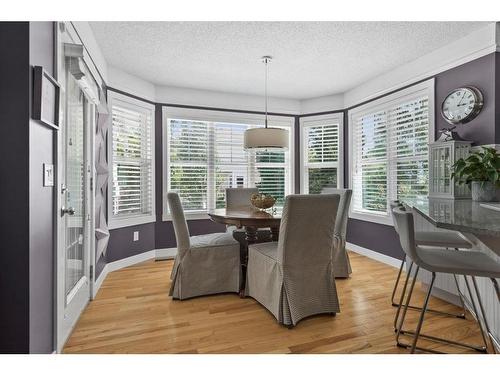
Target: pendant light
[[266, 137]]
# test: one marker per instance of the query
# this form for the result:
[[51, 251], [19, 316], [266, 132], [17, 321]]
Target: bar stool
[[432, 239], [434, 260]]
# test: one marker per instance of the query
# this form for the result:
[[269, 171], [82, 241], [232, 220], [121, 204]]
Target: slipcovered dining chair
[[240, 198], [293, 278], [206, 264], [341, 263]]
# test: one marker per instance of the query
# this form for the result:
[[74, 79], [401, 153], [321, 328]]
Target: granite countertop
[[462, 215]]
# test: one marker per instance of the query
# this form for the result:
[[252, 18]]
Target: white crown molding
[[473, 46]]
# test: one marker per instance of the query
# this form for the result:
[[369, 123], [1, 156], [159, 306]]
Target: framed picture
[[46, 92]]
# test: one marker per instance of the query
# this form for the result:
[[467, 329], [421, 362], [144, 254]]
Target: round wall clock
[[462, 105]]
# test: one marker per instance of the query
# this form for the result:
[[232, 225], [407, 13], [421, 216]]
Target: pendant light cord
[[266, 61]]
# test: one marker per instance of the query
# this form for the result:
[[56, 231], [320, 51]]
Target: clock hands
[[458, 105]]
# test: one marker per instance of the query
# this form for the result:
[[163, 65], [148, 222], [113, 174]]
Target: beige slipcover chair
[[206, 264], [341, 263], [293, 278]]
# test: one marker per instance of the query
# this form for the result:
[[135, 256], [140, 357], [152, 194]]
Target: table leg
[[275, 233], [250, 237]]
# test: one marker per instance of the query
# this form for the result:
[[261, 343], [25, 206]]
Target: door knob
[[70, 211]]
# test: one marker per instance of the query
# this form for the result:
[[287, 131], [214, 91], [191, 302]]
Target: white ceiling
[[311, 59]]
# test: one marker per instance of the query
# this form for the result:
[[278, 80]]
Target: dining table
[[250, 219]]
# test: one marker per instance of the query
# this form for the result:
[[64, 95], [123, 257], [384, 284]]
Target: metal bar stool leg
[[405, 309], [481, 349], [397, 282], [485, 321], [398, 305], [421, 319], [401, 299]]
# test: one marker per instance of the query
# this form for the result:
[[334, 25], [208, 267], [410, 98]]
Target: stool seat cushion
[[441, 239], [473, 263]]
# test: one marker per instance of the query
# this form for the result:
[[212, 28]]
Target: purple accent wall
[[122, 245], [481, 74]]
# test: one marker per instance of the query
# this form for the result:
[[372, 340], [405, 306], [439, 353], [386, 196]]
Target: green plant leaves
[[478, 166]]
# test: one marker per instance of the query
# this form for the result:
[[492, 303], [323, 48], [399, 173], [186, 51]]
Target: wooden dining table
[[251, 219]]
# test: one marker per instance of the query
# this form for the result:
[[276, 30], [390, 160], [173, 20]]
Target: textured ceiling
[[311, 59]]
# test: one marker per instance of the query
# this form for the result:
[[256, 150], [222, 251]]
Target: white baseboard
[[393, 262], [169, 253]]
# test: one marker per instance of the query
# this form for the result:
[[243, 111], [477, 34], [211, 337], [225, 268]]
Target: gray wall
[[377, 237], [41, 206], [14, 187], [26, 218]]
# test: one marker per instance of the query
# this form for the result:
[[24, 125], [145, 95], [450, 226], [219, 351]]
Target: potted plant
[[481, 171]]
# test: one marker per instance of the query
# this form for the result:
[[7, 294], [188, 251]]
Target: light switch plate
[[136, 236], [48, 174]]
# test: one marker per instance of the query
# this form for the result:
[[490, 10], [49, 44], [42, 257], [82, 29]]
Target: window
[[321, 157], [389, 140], [204, 155], [131, 154]]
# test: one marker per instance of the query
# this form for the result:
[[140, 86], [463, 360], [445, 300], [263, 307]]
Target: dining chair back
[[239, 197]]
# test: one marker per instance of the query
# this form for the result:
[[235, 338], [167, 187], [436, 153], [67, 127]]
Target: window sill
[[372, 218], [116, 223]]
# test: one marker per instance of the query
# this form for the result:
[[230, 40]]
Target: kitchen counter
[[462, 215]]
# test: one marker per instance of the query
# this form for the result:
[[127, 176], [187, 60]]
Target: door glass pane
[[74, 144]]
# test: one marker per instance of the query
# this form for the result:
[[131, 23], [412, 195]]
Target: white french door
[[75, 229]]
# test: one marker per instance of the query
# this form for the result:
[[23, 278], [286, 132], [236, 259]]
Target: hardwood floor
[[134, 314]]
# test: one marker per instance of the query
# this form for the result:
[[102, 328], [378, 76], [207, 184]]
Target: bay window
[[321, 156], [204, 155], [388, 150]]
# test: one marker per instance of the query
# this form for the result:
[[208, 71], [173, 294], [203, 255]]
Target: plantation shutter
[[321, 149], [390, 153], [408, 144], [132, 160], [370, 163], [188, 174], [206, 157]]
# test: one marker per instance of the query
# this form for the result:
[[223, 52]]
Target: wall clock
[[462, 105]]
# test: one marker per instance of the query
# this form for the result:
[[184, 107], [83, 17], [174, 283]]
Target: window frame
[[415, 91], [218, 116], [122, 221], [309, 121]]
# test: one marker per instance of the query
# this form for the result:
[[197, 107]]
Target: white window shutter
[[132, 155], [207, 157], [390, 151]]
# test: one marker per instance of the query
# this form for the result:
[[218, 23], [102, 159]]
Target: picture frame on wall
[[46, 95]]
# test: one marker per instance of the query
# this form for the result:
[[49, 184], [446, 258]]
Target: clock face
[[462, 105]]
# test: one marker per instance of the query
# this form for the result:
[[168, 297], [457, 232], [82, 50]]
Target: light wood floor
[[134, 314]]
